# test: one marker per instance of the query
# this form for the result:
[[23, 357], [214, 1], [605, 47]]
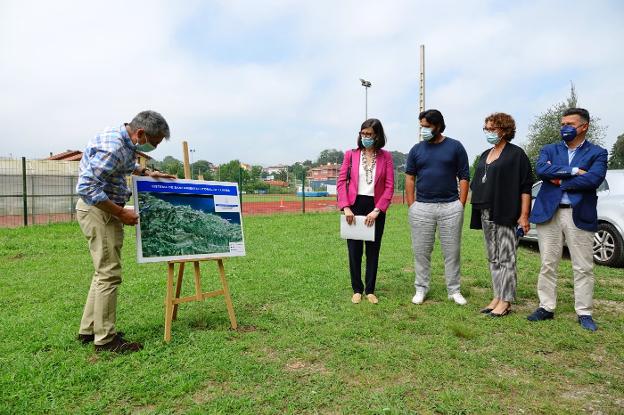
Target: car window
[[535, 190]]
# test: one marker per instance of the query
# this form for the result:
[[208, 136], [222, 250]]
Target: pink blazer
[[384, 179]]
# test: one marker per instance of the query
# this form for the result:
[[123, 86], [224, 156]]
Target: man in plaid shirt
[[108, 159]]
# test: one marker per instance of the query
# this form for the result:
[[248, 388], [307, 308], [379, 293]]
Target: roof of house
[[76, 155]]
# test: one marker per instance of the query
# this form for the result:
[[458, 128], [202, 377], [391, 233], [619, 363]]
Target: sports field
[[301, 347]]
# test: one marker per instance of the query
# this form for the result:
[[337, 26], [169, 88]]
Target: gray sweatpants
[[424, 218], [501, 244]]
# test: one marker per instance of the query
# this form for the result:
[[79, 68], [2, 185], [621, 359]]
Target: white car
[[609, 239]]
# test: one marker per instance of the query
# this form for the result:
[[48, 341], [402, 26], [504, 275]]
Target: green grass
[[302, 347]]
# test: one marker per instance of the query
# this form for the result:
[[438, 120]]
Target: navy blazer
[[553, 164]]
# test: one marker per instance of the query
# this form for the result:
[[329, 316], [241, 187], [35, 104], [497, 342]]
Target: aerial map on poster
[[187, 219]]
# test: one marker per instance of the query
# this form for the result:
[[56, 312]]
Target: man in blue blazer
[[565, 209]]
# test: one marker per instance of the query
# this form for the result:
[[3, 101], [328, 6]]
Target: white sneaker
[[419, 297], [458, 298]]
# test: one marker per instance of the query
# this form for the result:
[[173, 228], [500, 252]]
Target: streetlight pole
[[366, 84], [192, 151]]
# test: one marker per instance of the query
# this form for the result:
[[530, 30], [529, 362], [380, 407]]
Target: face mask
[[492, 137], [568, 133], [368, 142], [426, 133], [145, 148]]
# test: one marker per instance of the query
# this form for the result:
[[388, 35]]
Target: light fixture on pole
[[366, 84]]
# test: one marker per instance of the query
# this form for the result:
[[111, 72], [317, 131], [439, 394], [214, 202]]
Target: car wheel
[[608, 246]]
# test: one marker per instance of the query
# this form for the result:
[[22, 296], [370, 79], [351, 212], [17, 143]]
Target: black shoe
[[541, 314], [485, 310], [88, 338], [119, 345], [504, 313]]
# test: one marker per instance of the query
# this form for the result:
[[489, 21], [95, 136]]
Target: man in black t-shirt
[[433, 168]]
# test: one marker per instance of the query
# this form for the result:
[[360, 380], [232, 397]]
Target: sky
[[272, 82]]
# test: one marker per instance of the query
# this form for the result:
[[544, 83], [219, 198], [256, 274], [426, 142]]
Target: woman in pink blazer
[[365, 187]]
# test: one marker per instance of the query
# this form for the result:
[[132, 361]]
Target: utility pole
[[422, 81]]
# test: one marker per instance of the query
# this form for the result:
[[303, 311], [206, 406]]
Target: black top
[[507, 178], [437, 168]]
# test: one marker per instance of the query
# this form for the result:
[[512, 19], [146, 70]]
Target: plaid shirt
[[107, 160]]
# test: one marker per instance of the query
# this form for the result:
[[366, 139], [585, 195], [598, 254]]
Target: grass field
[[302, 347]]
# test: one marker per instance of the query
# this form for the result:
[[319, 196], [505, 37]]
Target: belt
[[564, 206]]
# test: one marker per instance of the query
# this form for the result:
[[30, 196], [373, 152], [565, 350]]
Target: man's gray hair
[[152, 123]]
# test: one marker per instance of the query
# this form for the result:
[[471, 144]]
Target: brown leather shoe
[[88, 338], [119, 345]]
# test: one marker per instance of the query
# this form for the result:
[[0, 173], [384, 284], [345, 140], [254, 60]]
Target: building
[[326, 172], [275, 169]]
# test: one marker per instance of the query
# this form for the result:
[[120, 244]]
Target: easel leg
[[226, 294], [178, 289], [198, 290], [169, 303]]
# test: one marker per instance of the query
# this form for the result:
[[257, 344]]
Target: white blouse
[[364, 188]]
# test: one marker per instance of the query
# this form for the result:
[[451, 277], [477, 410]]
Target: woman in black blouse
[[501, 201]]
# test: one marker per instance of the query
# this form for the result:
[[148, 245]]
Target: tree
[[399, 159], [616, 160], [204, 168], [173, 166], [545, 128], [330, 156], [256, 172], [473, 166], [231, 172]]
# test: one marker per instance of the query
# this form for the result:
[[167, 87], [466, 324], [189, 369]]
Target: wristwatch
[[377, 210]]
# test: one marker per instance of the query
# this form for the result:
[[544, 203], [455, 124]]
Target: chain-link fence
[[299, 194], [44, 191]]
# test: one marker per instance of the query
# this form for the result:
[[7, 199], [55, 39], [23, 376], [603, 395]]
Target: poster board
[[187, 219]]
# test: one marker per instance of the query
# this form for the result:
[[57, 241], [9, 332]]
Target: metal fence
[[44, 191], [37, 191]]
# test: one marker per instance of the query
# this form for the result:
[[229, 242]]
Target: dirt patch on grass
[[208, 392], [17, 256], [147, 409], [301, 366], [609, 306], [246, 329]]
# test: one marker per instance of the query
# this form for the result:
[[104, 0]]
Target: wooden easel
[[171, 300]]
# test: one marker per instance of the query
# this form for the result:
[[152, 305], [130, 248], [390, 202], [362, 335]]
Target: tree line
[[543, 130]]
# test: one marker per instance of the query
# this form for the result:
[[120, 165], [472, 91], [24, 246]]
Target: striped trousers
[[501, 244]]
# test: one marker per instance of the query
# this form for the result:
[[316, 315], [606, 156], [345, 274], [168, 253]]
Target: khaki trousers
[[551, 236], [105, 235]]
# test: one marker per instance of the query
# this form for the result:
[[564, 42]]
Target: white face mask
[[426, 133]]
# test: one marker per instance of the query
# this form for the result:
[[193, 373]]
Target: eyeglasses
[[492, 130]]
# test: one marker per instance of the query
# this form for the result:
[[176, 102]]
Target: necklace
[[368, 169], [484, 178]]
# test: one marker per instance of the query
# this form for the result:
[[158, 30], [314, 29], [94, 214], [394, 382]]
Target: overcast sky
[[271, 82]]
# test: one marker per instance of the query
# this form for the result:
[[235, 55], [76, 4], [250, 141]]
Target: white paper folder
[[358, 231]]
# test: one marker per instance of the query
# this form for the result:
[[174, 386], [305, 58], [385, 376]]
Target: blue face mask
[[568, 133], [492, 137], [426, 133], [368, 142]]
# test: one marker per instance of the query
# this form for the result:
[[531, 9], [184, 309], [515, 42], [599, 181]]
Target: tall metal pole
[[366, 84], [421, 99], [366, 104]]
